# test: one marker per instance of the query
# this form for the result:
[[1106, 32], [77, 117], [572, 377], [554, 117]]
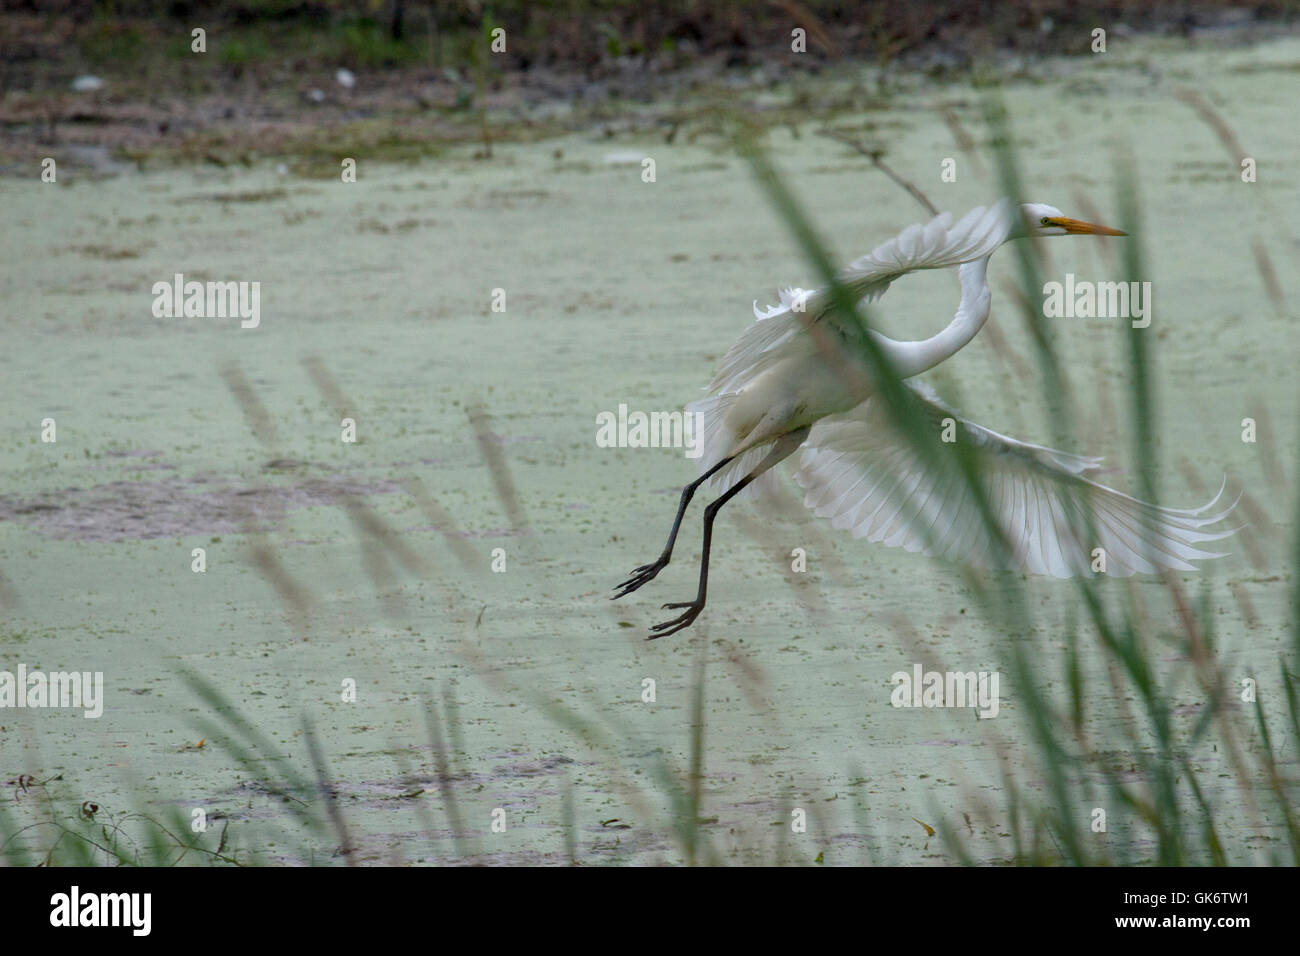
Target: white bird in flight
[[775, 392]]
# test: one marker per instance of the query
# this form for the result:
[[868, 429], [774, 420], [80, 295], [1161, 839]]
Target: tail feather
[[716, 443]]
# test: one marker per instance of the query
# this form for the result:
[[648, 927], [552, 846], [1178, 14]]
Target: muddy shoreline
[[305, 118]]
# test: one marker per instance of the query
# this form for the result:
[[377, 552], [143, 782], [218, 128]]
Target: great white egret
[[774, 392]]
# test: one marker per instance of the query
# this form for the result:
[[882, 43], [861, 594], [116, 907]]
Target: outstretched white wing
[[935, 245], [858, 472]]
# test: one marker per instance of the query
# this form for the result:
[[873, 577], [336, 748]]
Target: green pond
[[326, 568]]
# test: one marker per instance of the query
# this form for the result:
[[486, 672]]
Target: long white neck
[[913, 358]]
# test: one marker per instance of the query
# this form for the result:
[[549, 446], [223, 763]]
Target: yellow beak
[[1077, 227]]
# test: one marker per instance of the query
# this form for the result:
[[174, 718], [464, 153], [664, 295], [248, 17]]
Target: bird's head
[[1044, 220]]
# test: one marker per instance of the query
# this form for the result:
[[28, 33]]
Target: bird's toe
[[640, 576], [693, 609]]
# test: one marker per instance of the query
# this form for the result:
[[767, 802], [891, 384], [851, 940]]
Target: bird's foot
[[642, 575], [693, 609]]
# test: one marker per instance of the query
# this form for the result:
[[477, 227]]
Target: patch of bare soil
[[176, 507]]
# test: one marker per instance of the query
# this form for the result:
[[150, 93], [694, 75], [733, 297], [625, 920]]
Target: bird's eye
[[1044, 221]]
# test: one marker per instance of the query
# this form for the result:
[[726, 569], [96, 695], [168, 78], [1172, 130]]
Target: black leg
[[693, 608], [646, 573]]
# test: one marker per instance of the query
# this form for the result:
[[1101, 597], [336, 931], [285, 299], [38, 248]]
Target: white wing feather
[[860, 474], [935, 245]]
